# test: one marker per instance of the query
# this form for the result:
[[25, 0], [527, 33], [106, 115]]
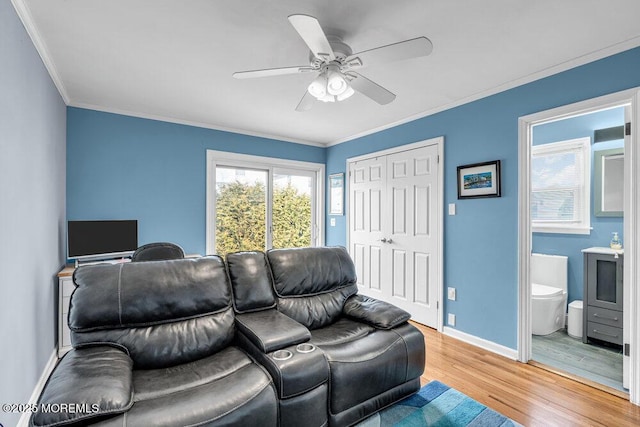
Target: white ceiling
[[173, 60]]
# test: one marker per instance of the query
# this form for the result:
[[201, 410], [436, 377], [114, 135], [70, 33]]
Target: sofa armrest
[[270, 330], [379, 314], [89, 382]]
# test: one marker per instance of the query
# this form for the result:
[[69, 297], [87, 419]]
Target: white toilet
[[548, 293]]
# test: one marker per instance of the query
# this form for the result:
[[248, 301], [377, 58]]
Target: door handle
[[383, 240], [390, 241]]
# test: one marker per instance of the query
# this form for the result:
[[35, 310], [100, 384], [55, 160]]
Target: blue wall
[[571, 245], [487, 129], [124, 167], [121, 167], [32, 211]]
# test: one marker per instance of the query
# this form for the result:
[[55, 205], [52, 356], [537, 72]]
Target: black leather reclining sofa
[[275, 339]]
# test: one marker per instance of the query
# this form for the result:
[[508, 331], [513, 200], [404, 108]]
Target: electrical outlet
[[332, 222], [451, 319], [451, 294]]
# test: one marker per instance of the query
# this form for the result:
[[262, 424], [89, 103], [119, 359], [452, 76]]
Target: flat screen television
[[94, 240]]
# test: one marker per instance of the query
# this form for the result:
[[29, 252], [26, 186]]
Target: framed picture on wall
[[479, 180], [336, 194]]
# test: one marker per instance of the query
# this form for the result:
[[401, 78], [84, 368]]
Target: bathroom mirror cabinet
[[609, 182]]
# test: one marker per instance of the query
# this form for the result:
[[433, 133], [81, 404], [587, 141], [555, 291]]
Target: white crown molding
[[27, 21], [192, 123], [25, 16], [547, 72]]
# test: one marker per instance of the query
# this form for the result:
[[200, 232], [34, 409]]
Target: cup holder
[[305, 348], [282, 355]]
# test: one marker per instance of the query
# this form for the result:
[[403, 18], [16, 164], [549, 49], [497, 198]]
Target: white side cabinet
[[65, 288]]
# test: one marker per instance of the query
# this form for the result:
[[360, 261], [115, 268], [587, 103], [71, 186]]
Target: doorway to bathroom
[[578, 174]]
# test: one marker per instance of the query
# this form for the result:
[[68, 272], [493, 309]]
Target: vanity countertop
[[604, 250]]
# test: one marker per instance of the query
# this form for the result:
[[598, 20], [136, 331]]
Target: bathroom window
[[560, 187]]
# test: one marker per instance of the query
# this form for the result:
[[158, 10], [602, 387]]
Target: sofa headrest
[[251, 281], [147, 293], [310, 271], [312, 284]]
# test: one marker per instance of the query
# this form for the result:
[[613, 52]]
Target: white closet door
[[394, 229]]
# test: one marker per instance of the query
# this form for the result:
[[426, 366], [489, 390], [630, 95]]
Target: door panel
[[422, 166], [375, 172], [421, 273], [366, 220], [399, 267], [358, 259], [375, 209], [359, 211], [421, 205], [399, 207], [375, 273], [399, 169]]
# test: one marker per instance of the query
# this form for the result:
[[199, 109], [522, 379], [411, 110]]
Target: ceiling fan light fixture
[[346, 94], [318, 87], [331, 85], [336, 82], [327, 98]]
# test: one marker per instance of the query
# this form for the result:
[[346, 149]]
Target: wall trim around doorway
[[630, 97]]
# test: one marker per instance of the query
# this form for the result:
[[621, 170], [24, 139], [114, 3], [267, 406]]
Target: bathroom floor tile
[[597, 363]]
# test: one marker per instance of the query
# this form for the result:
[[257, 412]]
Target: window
[[258, 203], [560, 187]]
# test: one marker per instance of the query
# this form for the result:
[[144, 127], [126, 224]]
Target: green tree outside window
[[241, 213]]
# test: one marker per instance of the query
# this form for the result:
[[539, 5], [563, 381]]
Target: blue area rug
[[437, 404]]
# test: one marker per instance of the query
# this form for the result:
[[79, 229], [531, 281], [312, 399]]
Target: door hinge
[[438, 159], [627, 350], [437, 305], [627, 128]]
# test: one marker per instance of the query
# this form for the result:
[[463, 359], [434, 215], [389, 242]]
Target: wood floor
[[527, 394]]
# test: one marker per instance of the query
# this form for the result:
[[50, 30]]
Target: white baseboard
[[481, 342], [51, 363]]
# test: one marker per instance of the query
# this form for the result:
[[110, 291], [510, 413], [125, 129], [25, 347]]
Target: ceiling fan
[[335, 63]]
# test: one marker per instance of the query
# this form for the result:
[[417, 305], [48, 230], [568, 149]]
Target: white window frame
[[268, 164], [583, 226]]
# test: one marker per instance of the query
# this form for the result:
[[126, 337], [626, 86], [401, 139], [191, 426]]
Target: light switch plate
[[332, 222], [451, 294], [452, 208]]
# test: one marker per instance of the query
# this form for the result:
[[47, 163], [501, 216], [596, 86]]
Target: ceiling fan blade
[[370, 89], [306, 102], [407, 49], [271, 72], [311, 32]]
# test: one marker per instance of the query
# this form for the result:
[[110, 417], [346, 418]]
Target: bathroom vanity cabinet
[[603, 307]]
